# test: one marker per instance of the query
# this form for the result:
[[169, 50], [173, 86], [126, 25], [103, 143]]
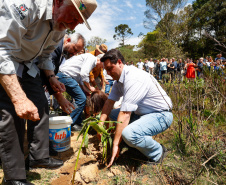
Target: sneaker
[[164, 154], [76, 127]]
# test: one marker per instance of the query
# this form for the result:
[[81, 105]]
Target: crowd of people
[[178, 69]]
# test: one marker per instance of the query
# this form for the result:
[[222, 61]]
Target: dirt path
[[90, 168]]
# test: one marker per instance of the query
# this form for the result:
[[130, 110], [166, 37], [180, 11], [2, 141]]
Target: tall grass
[[200, 123]]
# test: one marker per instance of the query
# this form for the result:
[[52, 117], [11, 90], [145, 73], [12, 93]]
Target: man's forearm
[[12, 87], [87, 85], [124, 118], [48, 72], [106, 109]]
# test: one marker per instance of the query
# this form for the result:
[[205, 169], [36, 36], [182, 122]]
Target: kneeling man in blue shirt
[[145, 110]]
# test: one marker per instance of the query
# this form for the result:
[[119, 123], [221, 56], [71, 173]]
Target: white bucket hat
[[85, 8]]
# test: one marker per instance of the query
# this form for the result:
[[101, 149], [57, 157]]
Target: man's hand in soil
[[56, 85], [25, 109], [115, 153], [123, 119]]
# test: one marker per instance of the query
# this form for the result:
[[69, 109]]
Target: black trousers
[[12, 129]]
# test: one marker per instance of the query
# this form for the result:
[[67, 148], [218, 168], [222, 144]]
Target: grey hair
[[75, 37]]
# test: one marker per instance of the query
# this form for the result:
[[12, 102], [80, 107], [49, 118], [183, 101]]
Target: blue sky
[[110, 14]]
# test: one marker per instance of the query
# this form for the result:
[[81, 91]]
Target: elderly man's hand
[[66, 105], [25, 109], [56, 85]]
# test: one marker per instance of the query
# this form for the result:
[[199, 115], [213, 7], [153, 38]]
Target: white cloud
[[139, 25], [128, 3], [110, 14], [140, 5], [127, 18], [177, 11]]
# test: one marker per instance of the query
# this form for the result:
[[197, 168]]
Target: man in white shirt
[[30, 29], [163, 68], [145, 105], [74, 74], [140, 65]]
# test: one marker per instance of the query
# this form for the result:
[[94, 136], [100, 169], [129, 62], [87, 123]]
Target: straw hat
[[85, 8], [102, 48]]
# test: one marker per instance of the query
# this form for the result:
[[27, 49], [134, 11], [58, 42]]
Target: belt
[[167, 110]]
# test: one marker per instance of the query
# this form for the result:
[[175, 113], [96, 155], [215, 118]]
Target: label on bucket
[[60, 139]]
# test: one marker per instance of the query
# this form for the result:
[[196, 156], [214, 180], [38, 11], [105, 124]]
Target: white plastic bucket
[[60, 133]]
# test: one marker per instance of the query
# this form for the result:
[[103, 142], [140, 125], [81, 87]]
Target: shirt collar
[[46, 9], [122, 77]]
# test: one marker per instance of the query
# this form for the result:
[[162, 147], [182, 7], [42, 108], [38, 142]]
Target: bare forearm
[[93, 82], [87, 85], [24, 108], [106, 109], [12, 87], [123, 119], [49, 72]]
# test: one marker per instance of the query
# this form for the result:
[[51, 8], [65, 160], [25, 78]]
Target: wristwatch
[[50, 76]]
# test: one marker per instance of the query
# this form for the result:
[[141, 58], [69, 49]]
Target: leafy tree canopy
[[91, 44], [123, 32]]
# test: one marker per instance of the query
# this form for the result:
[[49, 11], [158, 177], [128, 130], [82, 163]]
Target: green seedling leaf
[[110, 141], [86, 141], [111, 128], [100, 129], [98, 116], [83, 130], [89, 119]]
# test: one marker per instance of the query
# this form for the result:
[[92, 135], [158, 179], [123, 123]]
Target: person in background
[[170, 70], [200, 64], [151, 66], [96, 75], [140, 65], [32, 29], [157, 69], [109, 82], [163, 68], [180, 70], [190, 67], [175, 68], [219, 56], [146, 66]]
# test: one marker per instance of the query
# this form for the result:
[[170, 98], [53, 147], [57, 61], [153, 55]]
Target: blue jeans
[[75, 91], [161, 73], [108, 86], [138, 134]]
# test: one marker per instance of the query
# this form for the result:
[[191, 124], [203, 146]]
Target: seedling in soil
[[105, 137]]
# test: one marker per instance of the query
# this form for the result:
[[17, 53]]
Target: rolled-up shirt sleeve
[[134, 92], [7, 66], [115, 92]]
